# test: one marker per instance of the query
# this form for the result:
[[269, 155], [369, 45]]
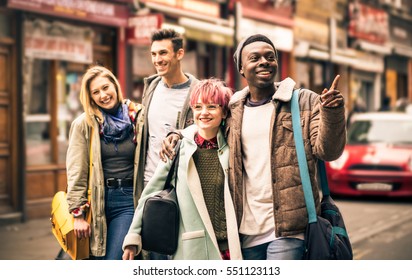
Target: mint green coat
[[197, 240]]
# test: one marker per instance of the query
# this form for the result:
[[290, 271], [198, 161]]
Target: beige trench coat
[[77, 165]]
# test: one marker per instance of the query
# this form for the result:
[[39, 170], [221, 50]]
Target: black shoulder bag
[[325, 237], [160, 220]]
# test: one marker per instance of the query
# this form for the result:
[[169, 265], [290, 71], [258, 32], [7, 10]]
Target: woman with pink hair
[[207, 227]]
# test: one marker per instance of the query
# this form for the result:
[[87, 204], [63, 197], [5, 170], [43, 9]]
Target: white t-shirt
[[163, 116], [258, 222], [258, 219]]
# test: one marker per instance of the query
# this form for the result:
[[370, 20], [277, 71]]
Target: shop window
[[37, 111], [56, 55], [68, 104], [52, 102], [5, 21]]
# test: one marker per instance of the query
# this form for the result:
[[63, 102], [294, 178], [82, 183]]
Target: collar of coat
[[283, 92]]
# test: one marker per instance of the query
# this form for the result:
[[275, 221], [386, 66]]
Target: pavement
[[31, 240]]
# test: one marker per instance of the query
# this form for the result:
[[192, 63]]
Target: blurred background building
[[46, 45]]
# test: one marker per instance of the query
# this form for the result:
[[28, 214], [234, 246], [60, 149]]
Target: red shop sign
[[141, 28], [87, 10], [368, 23]]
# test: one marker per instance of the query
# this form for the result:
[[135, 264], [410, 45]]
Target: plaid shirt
[[206, 144]]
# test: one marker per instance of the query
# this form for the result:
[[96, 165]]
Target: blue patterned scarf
[[116, 127]]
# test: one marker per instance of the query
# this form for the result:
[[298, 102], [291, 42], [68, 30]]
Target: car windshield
[[380, 131]]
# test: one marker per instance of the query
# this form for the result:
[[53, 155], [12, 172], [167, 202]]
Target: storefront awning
[[180, 12], [369, 62], [207, 32], [366, 46], [281, 36], [403, 51], [356, 59], [344, 57], [318, 54], [304, 49]]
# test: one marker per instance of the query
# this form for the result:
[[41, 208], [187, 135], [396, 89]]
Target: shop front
[[208, 31], [10, 121], [312, 50], [275, 22], [399, 62], [368, 34], [59, 41]]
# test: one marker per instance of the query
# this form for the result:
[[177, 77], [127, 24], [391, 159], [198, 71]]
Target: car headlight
[[340, 162]]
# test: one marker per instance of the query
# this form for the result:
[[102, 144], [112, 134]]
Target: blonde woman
[[112, 125]]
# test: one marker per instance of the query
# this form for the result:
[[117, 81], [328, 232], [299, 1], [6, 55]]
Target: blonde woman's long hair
[[89, 106]]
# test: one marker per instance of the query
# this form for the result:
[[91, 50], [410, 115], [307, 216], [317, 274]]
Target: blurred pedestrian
[[386, 104], [208, 227], [264, 175], [166, 98], [110, 123]]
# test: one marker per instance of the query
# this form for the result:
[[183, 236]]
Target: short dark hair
[[169, 34]]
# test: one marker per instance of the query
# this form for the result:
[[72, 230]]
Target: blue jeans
[[279, 249], [119, 210]]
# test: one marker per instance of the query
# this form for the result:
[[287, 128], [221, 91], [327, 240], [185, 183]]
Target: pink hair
[[212, 91]]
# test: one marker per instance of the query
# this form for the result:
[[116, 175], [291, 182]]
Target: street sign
[[141, 28]]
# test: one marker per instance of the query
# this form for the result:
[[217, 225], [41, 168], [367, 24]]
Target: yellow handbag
[[63, 222], [63, 228]]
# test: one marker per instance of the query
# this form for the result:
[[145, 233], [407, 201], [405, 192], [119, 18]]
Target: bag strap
[[174, 167], [303, 164]]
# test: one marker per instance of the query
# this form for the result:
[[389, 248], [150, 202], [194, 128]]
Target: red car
[[377, 160]]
